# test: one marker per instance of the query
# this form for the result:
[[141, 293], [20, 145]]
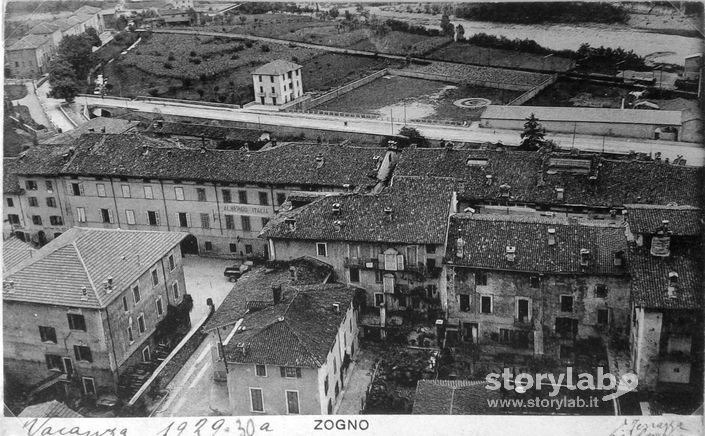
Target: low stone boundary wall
[[528, 95], [341, 90]]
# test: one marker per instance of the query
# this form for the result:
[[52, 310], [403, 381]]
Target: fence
[[194, 102], [342, 90], [528, 95], [337, 114]]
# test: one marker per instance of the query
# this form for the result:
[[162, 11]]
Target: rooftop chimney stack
[[661, 241], [336, 307], [460, 248], [504, 190], [488, 180], [551, 236], [290, 224], [584, 257], [84, 293], [319, 160], [510, 253], [559, 194], [672, 278], [337, 225], [336, 209], [388, 212], [292, 273]]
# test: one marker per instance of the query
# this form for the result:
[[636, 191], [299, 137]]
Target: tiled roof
[[486, 238], [15, 252], [584, 115], [290, 164], [650, 280], [256, 286], [111, 126], [419, 215], [534, 177], [43, 160], [682, 220], [299, 331], [50, 409], [83, 257], [87, 10], [44, 29], [459, 397], [10, 185], [206, 131], [30, 42], [277, 67]]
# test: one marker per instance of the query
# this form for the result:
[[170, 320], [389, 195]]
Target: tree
[[121, 22], [77, 50], [333, 12], [63, 81], [532, 136], [447, 28], [415, 137], [459, 32], [243, 19], [93, 35]]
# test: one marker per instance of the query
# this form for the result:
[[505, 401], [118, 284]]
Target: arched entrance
[[189, 245]]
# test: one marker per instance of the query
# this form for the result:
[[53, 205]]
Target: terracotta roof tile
[[682, 220], [50, 409], [650, 280], [277, 67], [15, 252]]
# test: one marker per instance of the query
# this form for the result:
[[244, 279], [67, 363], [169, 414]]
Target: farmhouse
[[646, 124], [277, 82], [29, 57]]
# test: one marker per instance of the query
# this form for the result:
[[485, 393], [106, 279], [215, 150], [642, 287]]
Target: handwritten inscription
[[637, 427], [203, 428], [41, 427]]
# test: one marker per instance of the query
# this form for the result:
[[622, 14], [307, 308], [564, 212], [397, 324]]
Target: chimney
[[511, 253], [613, 213], [9, 286], [460, 248], [84, 293], [619, 258], [388, 212], [337, 225], [551, 236], [290, 224], [346, 186], [661, 241], [673, 278], [559, 194], [504, 190], [336, 307], [469, 210], [488, 180], [336, 209], [319, 160], [584, 257], [276, 294], [102, 129]]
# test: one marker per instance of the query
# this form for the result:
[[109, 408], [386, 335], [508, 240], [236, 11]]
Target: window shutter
[[188, 219], [75, 353], [282, 370], [111, 216], [298, 372], [178, 220], [69, 188], [156, 214], [400, 262], [80, 188], [146, 213], [380, 260]]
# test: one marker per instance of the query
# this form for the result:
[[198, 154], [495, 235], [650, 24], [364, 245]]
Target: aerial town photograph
[[221, 209]]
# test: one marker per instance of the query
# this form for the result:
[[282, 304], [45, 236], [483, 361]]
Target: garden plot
[[472, 54]]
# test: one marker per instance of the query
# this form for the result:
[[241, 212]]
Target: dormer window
[[584, 257], [672, 277], [559, 193], [510, 254], [290, 224], [460, 248], [619, 258], [551, 236]]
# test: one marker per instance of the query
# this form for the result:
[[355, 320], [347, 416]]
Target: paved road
[[51, 106], [694, 153], [36, 110]]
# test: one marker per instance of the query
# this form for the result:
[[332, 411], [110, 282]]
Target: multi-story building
[[29, 57], [85, 307], [223, 198], [13, 214], [389, 243], [277, 82], [667, 324], [292, 357], [521, 282]]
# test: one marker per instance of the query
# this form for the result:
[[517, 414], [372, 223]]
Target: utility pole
[[404, 113], [575, 127], [391, 119]]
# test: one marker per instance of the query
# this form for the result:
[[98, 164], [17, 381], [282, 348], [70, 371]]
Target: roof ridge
[[85, 268], [295, 333]]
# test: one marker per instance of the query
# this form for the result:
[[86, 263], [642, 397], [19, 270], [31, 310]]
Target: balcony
[[361, 263]]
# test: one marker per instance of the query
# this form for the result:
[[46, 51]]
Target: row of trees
[[69, 69], [543, 12]]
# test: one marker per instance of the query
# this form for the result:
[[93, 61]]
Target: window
[[431, 249], [208, 245], [603, 316], [47, 334], [49, 185], [325, 386], [523, 310], [566, 303], [601, 291], [261, 370], [14, 219], [56, 220], [230, 222], [106, 215], [130, 334], [263, 199], [77, 188], [51, 202], [54, 362], [271, 79], [292, 402], [233, 248], [248, 249], [175, 290], [205, 221], [179, 193], [354, 275], [290, 372], [160, 307], [148, 192], [125, 191], [130, 216], [153, 217], [281, 198], [242, 197], [273, 91], [10, 202], [33, 202], [379, 299], [31, 185], [82, 353], [136, 294], [124, 303], [321, 249], [534, 282], [379, 276], [260, 78], [146, 355], [485, 304], [464, 303], [246, 226], [81, 213], [155, 278], [141, 326], [183, 219], [172, 262], [256, 400], [76, 322], [481, 278], [227, 196], [201, 194]]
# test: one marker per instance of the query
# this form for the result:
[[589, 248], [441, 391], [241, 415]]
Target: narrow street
[[51, 106], [34, 105]]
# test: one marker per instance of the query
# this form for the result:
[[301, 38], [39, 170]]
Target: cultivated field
[[471, 73], [472, 54]]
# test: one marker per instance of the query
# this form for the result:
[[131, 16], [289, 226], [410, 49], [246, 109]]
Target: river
[[657, 47]]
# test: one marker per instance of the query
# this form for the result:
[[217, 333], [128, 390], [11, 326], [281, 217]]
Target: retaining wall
[[528, 95], [458, 80], [341, 90]]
